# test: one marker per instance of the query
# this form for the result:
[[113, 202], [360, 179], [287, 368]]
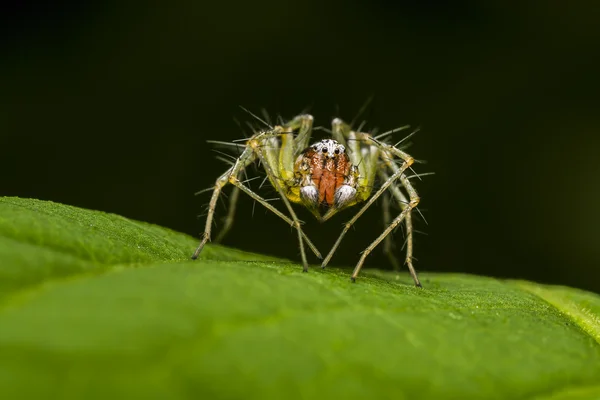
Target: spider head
[[325, 171]]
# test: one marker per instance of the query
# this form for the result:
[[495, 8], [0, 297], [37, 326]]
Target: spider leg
[[266, 204], [242, 162], [388, 243], [404, 204], [414, 201], [230, 215], [277, 181], [230, 176], [234, 195], [368, 204], [304, 125]]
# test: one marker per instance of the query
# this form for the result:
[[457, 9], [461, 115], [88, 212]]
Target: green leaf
[[97, 306]]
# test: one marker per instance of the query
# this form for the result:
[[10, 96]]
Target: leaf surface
[[94, 305]]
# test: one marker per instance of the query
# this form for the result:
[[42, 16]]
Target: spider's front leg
[[364, 156], [405, 214], [242, 162], [414, 201], [364, 151], [280, 170], [401, 199], [231, 177], [362, 210], [235, 193], [388, 243]]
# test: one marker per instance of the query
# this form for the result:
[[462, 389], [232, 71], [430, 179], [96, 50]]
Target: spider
[[326, 177]]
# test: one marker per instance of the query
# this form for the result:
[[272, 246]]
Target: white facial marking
[[344, 194], [329, 148]]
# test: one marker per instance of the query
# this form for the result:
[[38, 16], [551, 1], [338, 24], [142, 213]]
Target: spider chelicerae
[[326, 177]]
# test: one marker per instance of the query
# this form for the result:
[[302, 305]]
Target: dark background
[[108, 105]]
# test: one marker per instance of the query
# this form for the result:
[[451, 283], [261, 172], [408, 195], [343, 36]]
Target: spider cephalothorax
[[325, 177]]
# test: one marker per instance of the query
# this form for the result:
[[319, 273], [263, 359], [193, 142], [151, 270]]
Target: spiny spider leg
[[388, 244], [230, 176], [401, 199], [255, 145], [414, 201], [230, 215], [388, 152], [243, 161], [267, 205], [229, 218], [372, 200]]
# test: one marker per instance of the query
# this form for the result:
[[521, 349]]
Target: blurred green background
[[107, 105]]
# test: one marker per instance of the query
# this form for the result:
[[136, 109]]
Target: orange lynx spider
[[325, 177]]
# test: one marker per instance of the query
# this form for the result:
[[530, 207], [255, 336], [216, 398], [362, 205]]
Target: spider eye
[[324, 150], [337, 151]]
